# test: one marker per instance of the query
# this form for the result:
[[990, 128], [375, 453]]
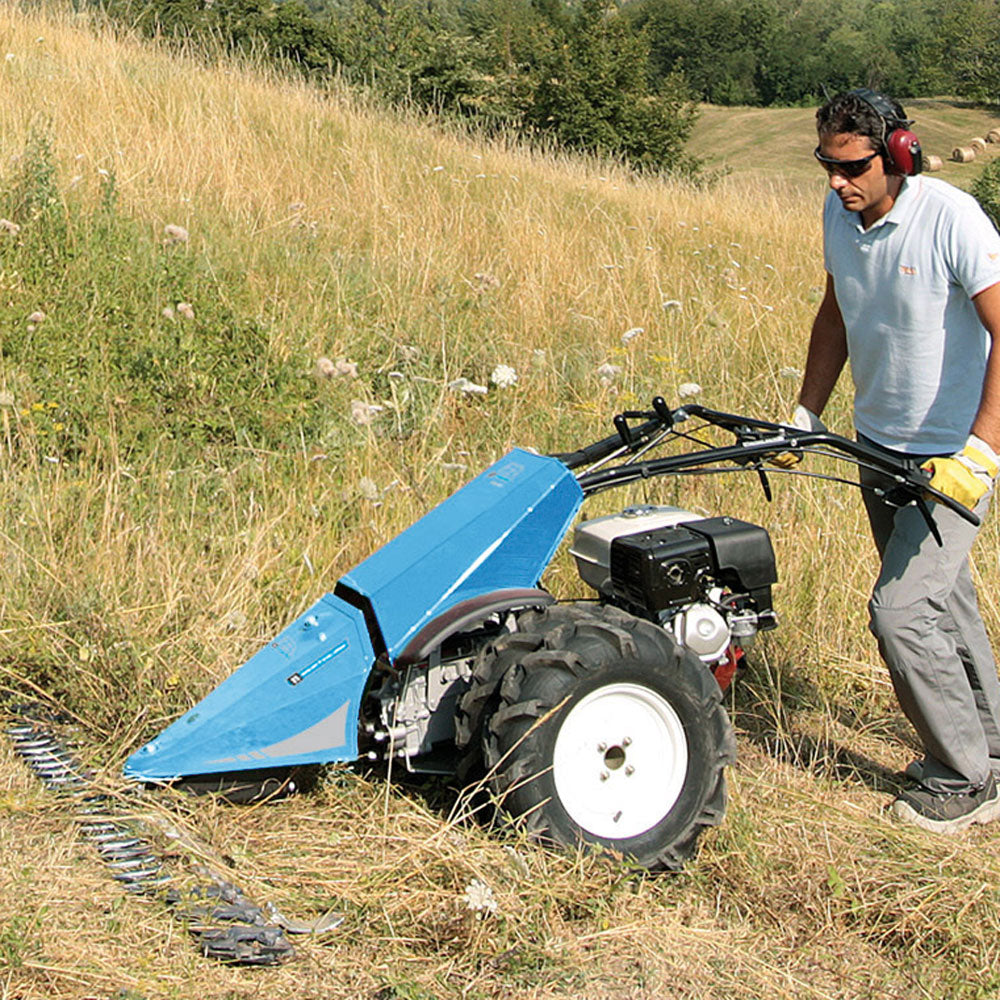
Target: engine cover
[[592, 539], [655, 559], [658, 569]]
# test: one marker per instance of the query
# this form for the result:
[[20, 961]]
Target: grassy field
[[230, 315], [774, 145]]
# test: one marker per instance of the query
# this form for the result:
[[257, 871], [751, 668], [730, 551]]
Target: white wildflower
[[174, 234], [168, 312], [6, 398], [408, 352], [37, 316], [632, 333], [185, 309], [325, 368], [363, 413], [234, 620], [344, 367], [671, 304], [503, 376], [790, 373], [8, 227], [470, 388], [31, 328], [609, 371], [479, 897], [368, 489], [485, 281], [688, 389]]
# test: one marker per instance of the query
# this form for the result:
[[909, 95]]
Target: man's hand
[[802, 420], [967, 474]]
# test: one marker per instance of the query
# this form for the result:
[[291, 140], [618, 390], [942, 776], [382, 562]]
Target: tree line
[[620, 79]]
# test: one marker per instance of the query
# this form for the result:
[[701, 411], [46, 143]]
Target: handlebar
[[756, 442]]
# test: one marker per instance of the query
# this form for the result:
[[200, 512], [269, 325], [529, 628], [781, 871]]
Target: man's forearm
[[987, 422], [827, 354]]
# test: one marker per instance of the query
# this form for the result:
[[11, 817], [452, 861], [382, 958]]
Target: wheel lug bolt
[[629, 769], [627, 741], [604, 775]]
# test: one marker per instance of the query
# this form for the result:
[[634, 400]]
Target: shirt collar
[[902, 207]]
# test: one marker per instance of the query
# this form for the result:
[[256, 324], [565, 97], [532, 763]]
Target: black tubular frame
[[757, 441]]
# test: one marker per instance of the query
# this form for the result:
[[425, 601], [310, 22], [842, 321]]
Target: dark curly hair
[[852, 114]]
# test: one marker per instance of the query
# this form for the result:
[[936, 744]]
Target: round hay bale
[[993, 135], [963, 154], [978, 144], [932, 163]]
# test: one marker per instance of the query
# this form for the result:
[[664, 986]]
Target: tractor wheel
[[479, 702], [609, 734]]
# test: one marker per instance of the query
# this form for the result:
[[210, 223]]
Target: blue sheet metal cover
[[294, 702], [500, 530]]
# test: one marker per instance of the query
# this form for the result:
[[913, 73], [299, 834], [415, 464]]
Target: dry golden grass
[[131, 585]]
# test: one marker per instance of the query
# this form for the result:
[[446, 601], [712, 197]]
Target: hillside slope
[[774, 145], [180, 475]]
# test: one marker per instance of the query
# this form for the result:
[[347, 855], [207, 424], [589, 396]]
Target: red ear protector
[[899, 146]]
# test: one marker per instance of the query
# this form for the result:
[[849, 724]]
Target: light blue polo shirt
[[916, 347]]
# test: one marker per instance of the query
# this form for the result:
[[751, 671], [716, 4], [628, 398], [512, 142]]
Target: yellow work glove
[[802, 420], [966, 475]]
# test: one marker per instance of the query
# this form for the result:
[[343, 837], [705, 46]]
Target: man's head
[[862, 135], [862, 112]]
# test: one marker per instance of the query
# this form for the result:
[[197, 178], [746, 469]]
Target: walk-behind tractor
[[598, 722]]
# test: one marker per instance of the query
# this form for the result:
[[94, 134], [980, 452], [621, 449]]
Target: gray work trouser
[[931, 636]]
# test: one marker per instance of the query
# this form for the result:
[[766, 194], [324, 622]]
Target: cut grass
[[774, 145]]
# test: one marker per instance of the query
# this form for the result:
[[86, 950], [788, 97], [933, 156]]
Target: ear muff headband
[[899, 146]]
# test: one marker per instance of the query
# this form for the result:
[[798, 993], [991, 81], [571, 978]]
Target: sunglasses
[[846, 168]]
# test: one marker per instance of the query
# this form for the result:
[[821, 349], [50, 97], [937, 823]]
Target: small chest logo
[[906, 269]]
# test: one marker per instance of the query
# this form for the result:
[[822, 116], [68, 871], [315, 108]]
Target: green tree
[[593, 94]]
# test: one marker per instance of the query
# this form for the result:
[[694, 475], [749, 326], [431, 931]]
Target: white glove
[[802, 420], [805, 420]]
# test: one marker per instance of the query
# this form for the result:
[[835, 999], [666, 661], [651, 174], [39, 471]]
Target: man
[[913, 302]]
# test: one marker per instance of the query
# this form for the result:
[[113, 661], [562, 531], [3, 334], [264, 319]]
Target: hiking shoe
[[948, 812], [914, 771]]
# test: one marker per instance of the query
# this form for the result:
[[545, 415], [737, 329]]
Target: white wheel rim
[[620, 761]]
